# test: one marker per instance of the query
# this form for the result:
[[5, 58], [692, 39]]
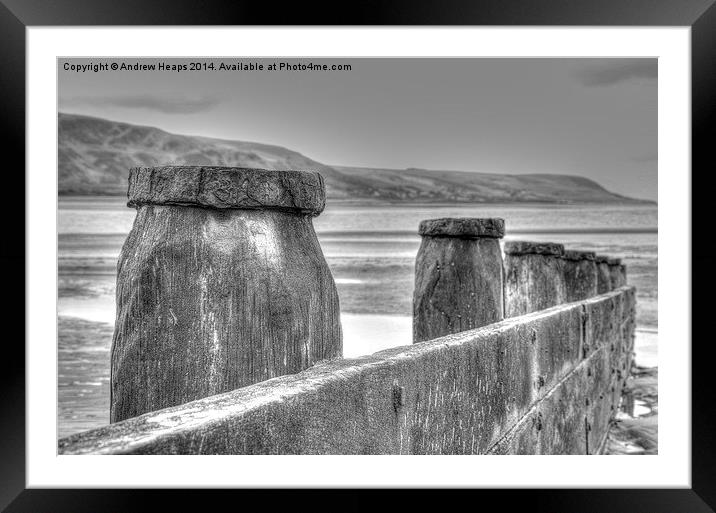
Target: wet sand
[[84, 351], [83, 381], [83, 374], [635, 430]]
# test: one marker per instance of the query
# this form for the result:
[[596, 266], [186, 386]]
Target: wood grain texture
[[517, 386], [458, 285], [463, 227], [534, 277], [623, 275], [610, 355], [604, 280], [522, 247], [575, 416], [210, 300], [617, 273], [580, 275], [227, 187]]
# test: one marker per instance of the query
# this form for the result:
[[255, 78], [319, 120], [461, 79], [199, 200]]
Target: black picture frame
[[17, 15]]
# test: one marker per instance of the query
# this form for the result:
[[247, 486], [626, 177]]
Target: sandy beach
[[635, 430], [373, 270]]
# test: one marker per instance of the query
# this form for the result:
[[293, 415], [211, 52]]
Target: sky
[[590, 117]]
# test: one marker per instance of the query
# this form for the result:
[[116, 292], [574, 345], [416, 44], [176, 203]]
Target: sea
[[371, 251]]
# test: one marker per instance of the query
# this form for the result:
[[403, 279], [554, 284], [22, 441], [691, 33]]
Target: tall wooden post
[[580, 275], [534, 276], [458, 276], [604, 280], [221, 283], [617, 272]]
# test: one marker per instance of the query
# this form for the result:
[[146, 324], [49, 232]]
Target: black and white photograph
[[321, 253], [401, 256]]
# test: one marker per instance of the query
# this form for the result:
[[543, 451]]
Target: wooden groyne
[[221, 283], [451, 250], [525, 356]]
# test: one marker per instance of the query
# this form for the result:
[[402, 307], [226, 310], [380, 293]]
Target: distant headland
[[95, 156]]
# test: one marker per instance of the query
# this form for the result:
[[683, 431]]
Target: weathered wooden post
[[534, 276], [458, 276], [580, 275], [623, 274], [617, 272], [221, 283], [604, 280]]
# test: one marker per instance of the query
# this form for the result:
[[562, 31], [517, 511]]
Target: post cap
[[227, 188], [601, 259], [574, 254], [614, 261], [463, 227], [520, 247]]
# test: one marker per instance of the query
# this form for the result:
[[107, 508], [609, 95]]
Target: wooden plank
[[459, 394]]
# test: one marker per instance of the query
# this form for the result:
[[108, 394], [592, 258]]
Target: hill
[[95, 156]]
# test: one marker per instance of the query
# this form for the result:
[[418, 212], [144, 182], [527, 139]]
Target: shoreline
[[368, 202], [385, 330]]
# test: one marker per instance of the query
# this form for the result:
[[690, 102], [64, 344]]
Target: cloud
[[617, 71], [164, 104]]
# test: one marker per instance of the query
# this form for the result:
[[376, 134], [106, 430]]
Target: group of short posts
[[462, 283], [222, 283]]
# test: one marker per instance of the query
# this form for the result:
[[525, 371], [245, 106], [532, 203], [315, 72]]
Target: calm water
[[371, 251]]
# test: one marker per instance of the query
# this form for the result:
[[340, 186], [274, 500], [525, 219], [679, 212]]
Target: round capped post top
[[520, 247], [601, 259], [227, 188], [576, 255], [463, 227], [614, 261]]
